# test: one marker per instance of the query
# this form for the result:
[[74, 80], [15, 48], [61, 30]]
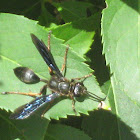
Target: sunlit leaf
[[17, 49]]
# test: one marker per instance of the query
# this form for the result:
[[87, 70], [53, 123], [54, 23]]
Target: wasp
[[58, 84]]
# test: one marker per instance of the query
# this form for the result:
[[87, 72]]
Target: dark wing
[[26, 110], [46, 54]]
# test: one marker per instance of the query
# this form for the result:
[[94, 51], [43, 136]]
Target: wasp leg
[[23, 93], [42, 91], [65, 59], [73, 104], [84, 77], [73, 107], [49, 38], [49, 48]]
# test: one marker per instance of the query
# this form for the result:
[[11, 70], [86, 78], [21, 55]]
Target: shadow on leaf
[[103, 125]]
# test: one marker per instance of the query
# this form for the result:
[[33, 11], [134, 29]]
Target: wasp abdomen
[[26, 75]]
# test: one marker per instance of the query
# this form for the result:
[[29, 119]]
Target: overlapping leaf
[[59, 131], [120, 30]]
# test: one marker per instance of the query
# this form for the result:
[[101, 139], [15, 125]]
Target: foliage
[[81, 25]]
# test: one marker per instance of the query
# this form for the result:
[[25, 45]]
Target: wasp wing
[[26, 110], [46, 54]]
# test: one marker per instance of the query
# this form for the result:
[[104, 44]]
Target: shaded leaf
[[33, 128], [61, 132], [101, 125], [46, 18], [72, 10], [29, 8]]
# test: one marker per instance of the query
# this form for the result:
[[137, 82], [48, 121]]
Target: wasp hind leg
[[42, 91], [23, 93]]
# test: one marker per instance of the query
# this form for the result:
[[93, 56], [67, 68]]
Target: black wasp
[[59, 85]]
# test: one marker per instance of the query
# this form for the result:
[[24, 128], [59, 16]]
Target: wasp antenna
[[95, 97]]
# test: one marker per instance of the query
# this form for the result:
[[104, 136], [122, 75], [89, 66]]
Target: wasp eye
[[26, 75]]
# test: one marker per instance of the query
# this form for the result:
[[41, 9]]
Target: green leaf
[[77, 34], [72, 10], [62, 132], [120, 30], [17, 49]]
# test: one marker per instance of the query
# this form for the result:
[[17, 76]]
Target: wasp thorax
[[58, 84], [64, 87], [26, 75]]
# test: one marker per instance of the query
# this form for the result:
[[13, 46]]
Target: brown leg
[[65, 59], [73, 104], [49, 48], [42, 91], [23, 93], [84, 77], [49, 37]]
